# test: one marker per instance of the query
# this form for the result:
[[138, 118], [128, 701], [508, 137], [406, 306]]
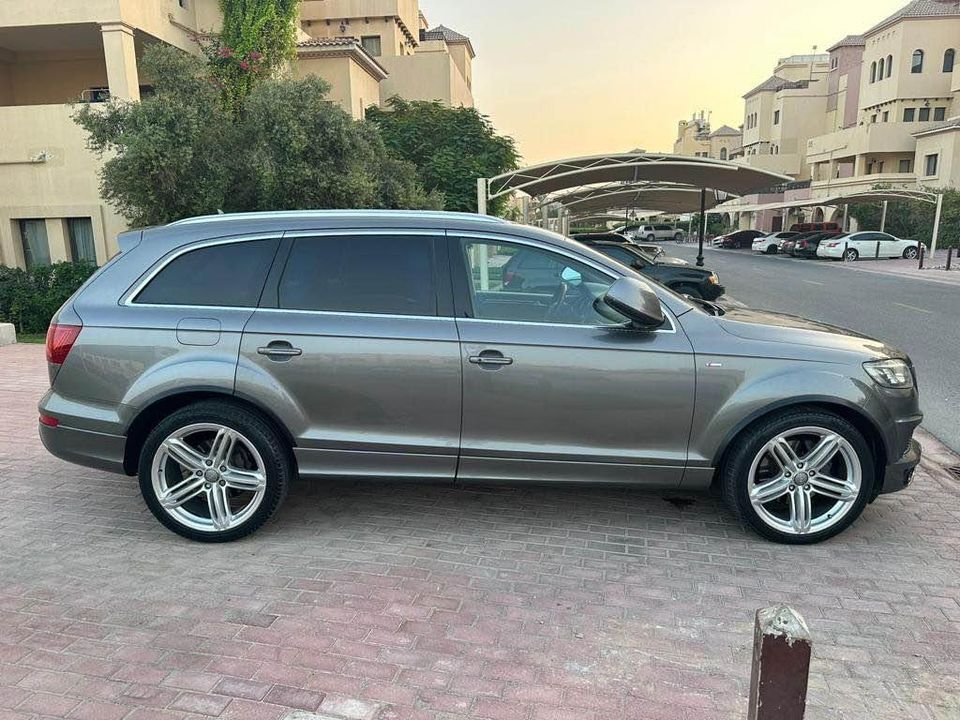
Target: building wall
[[946, 145], [51, 77], [321, 18], [843, 88], [63, 186], [428, 75]]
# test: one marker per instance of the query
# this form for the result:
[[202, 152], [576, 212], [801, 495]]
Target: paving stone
[[383, 601]]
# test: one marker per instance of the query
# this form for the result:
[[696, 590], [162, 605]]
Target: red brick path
[[390, 601]]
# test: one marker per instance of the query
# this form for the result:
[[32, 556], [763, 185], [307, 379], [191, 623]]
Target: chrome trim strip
[[671, 331]]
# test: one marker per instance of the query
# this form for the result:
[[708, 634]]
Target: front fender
[[741, 390]]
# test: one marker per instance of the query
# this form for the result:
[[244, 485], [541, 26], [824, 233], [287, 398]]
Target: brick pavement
[[393, 602]]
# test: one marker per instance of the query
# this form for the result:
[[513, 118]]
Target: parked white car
[[853, 246], [649, 233], [770, 244]]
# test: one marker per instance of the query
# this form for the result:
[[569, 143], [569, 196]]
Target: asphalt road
[[919, 316]]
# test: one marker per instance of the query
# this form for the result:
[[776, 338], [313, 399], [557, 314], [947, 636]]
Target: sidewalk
[[933, 268]]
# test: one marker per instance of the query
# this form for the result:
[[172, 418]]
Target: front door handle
[[280, 350], [491, 357]]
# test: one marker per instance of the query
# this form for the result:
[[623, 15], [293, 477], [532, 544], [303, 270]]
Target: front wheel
[[214, 471], [911, 253], [651, 238], [799, 477]]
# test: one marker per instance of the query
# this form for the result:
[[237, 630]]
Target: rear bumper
[[898, 475], [82, 447]]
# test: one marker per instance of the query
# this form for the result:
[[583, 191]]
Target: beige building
[[57, 52], [783, 112], [908, 99], [696, 139]]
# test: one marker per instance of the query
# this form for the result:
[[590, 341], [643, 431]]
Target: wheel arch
[[848, 411], [163, 405]]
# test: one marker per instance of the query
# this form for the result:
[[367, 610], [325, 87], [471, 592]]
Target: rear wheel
[[799, 477], [214, 471], [911, 253], [771, 250], [851, 255]]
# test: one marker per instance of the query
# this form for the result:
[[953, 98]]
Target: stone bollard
[[8, 334], [781, 665]]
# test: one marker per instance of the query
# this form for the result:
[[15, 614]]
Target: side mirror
[[636, 301]]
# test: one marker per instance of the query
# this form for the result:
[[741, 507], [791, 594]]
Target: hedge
[[29, 298]]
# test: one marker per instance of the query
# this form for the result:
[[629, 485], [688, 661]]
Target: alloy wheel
[[911, 253], [805, 480], [208, 477]]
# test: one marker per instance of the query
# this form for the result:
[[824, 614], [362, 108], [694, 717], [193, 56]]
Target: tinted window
[[230, 275], [386, 275], [525, 284], [620, 254]]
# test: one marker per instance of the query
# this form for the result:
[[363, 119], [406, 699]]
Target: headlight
[[713, 279], [890, 373]]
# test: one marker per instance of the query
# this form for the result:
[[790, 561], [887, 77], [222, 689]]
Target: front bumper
[[898, 475]]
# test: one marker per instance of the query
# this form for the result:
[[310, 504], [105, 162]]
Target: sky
[[567, 78]]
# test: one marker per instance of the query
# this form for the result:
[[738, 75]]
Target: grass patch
[[33, 338]]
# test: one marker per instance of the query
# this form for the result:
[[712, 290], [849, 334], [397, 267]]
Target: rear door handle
[[280, 350], [490, 357]]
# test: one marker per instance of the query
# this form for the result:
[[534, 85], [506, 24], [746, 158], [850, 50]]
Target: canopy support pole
[[883, 217], [846, 218], [936, 227], [482, 190], [703, 224]]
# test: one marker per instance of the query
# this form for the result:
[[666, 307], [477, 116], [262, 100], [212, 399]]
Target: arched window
[[873, 71], [889, 65], [948, 59], [723, 153], [880, 69], [917, 66]]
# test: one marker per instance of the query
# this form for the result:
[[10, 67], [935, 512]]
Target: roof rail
[[307, 214]]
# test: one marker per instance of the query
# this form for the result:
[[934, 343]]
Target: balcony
[[860, 183], [869, 139]]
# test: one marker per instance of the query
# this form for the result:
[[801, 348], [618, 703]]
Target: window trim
[[128, 297], [464, 301], [915, 67]]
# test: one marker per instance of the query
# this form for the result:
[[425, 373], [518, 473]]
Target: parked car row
[[822, 240]]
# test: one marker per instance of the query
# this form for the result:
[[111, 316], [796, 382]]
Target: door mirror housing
[[636, 301]]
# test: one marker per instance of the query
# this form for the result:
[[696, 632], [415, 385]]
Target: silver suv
[[217, 358], [652, 233]]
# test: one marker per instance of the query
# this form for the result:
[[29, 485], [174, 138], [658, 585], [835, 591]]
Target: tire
[[750, 456], [911, 253], [851, 255], [257, 468], [772, 250], [678, 237], [691, 290], [651, 238]]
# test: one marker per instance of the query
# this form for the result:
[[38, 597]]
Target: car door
[[355, 349], [553, 390], [890, 247]]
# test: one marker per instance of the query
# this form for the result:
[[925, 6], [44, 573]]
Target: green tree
[[451, 148], [258, 36], [914, 220], [181, 153]]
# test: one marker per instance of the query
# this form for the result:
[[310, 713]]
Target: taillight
[[48, 420], [60, 340]]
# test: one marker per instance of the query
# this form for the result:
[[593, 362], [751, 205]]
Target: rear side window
[[386, 275], [229, 275]]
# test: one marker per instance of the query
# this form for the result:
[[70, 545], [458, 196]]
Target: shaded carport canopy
[[665, 198], [856, 198], [671, 172]]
